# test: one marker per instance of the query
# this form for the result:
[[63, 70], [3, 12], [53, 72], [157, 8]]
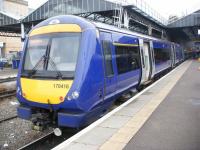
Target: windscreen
[[59, 49]]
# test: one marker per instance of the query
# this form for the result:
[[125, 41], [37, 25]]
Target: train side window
[[107, 58], [127, 58], [161, 55]]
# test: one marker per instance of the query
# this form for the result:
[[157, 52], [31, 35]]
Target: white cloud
[[173, 7]]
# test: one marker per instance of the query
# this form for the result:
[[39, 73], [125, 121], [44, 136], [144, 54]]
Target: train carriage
[[72, 69]]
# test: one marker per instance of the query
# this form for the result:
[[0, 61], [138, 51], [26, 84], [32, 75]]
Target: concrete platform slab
[[78, 146], [115, 122], [99, 133]]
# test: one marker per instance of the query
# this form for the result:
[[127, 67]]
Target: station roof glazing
[[6, 19], [101, 10], [187, 21], [61, 7]]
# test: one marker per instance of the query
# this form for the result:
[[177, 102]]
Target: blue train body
[[110, 62]]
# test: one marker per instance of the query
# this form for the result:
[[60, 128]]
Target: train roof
[[126, 31]]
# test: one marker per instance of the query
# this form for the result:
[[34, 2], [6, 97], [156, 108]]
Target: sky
[[174, 7], [164, 7]]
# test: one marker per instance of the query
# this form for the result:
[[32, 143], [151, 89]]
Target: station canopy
[[61, 7], [189, 25], [9, 23], [97, 10], [187, 21], [52, 8]]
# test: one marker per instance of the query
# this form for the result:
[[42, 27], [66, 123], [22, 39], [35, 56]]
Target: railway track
[[4, 91], [6, 94], [8, 119], [8, 79], [48, 141], [38, 141]]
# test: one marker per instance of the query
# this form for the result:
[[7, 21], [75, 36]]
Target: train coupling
[[40, 121]]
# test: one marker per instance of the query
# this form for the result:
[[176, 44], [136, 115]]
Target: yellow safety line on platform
[[119, 140]]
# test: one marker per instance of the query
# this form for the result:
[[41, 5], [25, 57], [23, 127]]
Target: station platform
[[165, 115]]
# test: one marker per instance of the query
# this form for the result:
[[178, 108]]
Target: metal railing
[[145, 7]]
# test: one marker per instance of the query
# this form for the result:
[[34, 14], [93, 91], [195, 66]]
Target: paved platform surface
[[175, 124], [142, 123], [8, 72]]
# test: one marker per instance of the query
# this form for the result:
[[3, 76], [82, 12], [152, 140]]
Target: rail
[[49, 140], [8, 118], [6, 94], [8, 79]]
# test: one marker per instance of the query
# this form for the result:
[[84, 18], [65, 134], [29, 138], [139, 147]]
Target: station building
[[10, 13], [14, 7]]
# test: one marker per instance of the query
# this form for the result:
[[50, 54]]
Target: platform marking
[[64, 145]]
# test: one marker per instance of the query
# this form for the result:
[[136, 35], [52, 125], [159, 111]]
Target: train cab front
[[47, 71]]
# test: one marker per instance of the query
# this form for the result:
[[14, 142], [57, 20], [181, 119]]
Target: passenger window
[[161, 55], [127, 58], [107, 58]]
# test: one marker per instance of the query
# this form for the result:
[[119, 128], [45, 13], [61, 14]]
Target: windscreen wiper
[[52, 63], [34, 70]]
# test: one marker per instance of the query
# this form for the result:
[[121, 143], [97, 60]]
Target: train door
[[172, 55], [152, 59], [108, 52], [146, 55], [174, 51], [183, 54]]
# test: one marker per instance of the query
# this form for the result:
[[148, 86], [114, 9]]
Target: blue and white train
[[72, 69]]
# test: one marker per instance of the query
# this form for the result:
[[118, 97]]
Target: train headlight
[[75, 94], [69, 98]]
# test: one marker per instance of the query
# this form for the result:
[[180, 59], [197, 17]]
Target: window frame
[[136, 58], [46, 73], [159, 49]]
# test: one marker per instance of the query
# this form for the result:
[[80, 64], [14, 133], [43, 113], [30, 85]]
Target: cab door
[[108, 55], [146, 57]]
